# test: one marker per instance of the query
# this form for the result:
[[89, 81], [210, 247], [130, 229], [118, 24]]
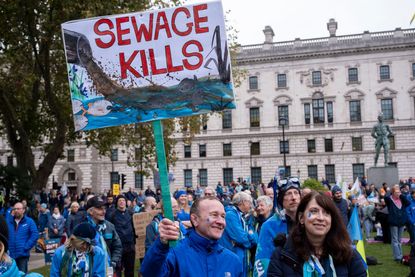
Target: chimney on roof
[[332, 27], [269, 34]]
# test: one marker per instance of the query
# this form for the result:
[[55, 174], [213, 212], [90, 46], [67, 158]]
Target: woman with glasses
[[318, 245]]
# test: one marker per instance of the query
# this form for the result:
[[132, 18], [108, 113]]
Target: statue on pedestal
[[381, 132]]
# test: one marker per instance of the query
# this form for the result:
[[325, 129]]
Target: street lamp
[[283, 122], [250, 160]]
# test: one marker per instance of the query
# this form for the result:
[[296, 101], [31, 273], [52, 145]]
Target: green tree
[[35, 111]]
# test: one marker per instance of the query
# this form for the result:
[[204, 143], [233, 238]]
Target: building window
[[227, 119], [255, 148], [316, 77], [312, 171], [392, 142], [254, 117], [203, 177], [357, 144], [282, 80], [202, 150], [330, 173], [287, 170], [329, 112], [227, 176], [138, 180], [353, 75], [318, 111], [188, 178], [307, 113], [283, 113], [204, 121], [71, 176], [386, 108], [413, 70], [71, 155], [384, 72], [114, 155], [358, 171], [355, 113], [284, 147], [10, 160], [253, 82], [187, 151], [227, 149], [311, 145], [256, 175], [328, 145]]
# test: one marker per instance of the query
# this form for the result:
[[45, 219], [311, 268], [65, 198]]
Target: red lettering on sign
[[199, 19], [126, 65], [143, 30], [99, 32], [121, 32], [173, 22], [196, 54], [161, 16]]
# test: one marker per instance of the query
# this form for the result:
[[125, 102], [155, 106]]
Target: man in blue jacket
[[279, 225], [199, 254], [239, 237], [23, 235]]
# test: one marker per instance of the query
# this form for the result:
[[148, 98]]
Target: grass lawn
[[383, 252]]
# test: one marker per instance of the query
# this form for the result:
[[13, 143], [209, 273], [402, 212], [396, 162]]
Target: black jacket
[[285, 262], [123, 223]]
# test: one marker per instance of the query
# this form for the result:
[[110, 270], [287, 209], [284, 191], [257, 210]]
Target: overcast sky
[[303, 19]]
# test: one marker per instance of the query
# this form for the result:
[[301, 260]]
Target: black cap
[[95, 202], [85, 232], [4, 233]]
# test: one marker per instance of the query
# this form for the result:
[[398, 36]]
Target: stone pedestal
[[382, 174]]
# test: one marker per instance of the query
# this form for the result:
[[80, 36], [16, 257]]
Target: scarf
[[99, 238], [313, 268], [397, 202], [56, 216]]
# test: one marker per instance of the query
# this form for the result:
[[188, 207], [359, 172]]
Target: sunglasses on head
[[290, 182]]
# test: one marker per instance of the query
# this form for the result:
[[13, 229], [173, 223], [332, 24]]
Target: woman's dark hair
[[337, 242]]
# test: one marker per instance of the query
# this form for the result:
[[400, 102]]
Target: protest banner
[[50, 247], [148, 66]]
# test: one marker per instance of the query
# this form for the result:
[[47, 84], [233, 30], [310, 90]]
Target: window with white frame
[[282, 80], [227, 149], [330, 173], [312, 171], [227, 119], [188, 178], [227, 176], [253, 82], [283, 113], [353, 75], [316, 77], [256, 175], [355, 112], [384, 72], [203, 177], [386, 106], [254, 117], [318, 110]]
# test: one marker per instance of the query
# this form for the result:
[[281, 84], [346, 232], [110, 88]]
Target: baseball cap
[[95, 202]]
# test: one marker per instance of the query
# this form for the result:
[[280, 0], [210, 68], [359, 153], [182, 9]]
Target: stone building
[[328, 92]]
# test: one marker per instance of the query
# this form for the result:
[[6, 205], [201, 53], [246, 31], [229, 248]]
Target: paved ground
[[36, 260]]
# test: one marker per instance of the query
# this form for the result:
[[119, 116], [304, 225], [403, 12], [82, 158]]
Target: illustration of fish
[[189, 93]]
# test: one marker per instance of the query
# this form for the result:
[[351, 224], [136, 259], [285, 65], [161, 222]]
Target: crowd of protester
[[261, 226]]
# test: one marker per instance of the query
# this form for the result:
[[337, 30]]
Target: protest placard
[[146, 66]]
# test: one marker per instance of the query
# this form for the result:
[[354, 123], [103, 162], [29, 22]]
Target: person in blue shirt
[[8, 266], [239, 237], [23, 236], [183, 202], [199, 254], [279, 224], [78, 257]]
